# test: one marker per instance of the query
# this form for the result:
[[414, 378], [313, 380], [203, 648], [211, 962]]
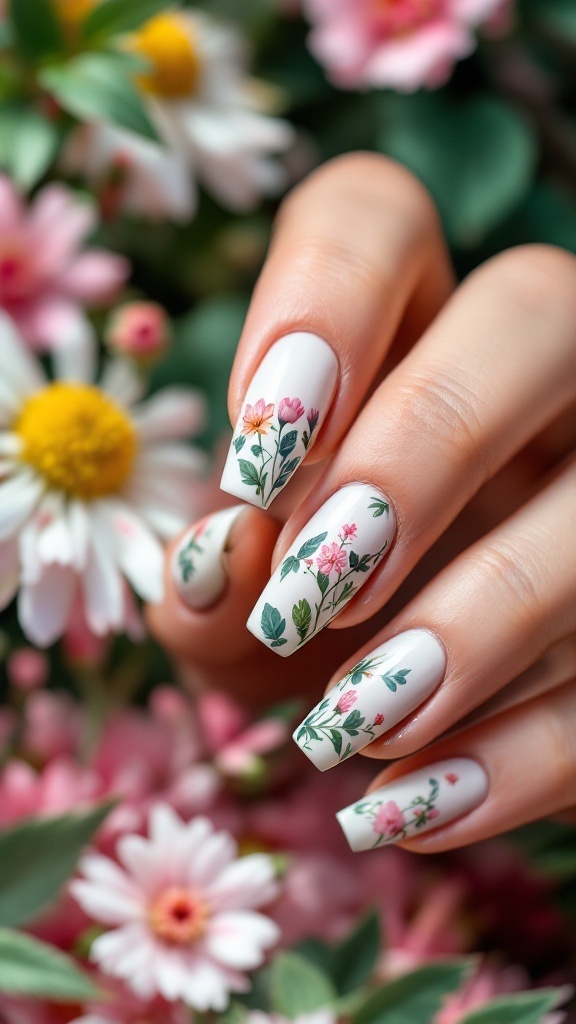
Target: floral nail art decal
[[323, 570], [197, 567], [415, 803], [187, 555], [282, 412], [271, 467], [382, 689]]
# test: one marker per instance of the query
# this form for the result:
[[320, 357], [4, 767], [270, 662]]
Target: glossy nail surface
[[283, 410], [330, 559], [419, 802], [197, 564], [372, 697]]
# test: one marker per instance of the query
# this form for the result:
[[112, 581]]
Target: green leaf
[[355, 959], [273, 625], [256, 450], [298, 987], [312, 545], [37, 857], [523, 1008], [249, 473], [28, 144], [36, 29], [336, 738], [301, 617], [380, 506], [286, 473], [390, 683], [323, 581], [288, 443], [353, 722], [290, 564], [414, 998], [239, 443], [97, 87], [476, 155], [29, 967], [114, 16], [353, 559]]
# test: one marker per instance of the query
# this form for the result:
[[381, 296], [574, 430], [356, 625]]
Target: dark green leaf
[[301, 733], [29, 967], [38, 857], [355, 960], [290, 564], [35, 28], [301, 617], [390, 683], [353, 559], [353, 721], [288, 443], [323, 581], [279, 643], [114, 16], [286, 473], [380, 506], [239, 443], [96, 87], [414, 998], [477, 156], [272, 623], [356, 678], [298, 987], [256, 450], [310, 546], [248, 473], [523, 1008], [336, 738]]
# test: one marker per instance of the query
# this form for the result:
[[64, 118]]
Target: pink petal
[[425, 57], [238, 939], [58, 222], [11, 211], [95, 277]]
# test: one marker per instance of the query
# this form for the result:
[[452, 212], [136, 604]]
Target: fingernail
[[197, 564], [372, 697], [283, 410], [416, 803], [327, 564]]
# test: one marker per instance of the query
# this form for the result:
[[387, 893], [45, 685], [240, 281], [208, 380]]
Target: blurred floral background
[[163, 857]]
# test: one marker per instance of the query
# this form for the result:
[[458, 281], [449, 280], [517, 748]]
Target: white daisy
[[89, 483], [207, 113]]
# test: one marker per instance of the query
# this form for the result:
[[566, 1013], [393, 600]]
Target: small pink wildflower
[[452, 778], [379, 719], [290, 410], [389, 820], [349, 531], [180, 911], [346, 701], [331, 557]]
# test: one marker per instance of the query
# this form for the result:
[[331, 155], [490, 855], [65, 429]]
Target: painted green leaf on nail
[[310, 546]]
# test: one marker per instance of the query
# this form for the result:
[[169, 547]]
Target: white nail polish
[[419, 802], [376, 694], [197, 564], [330, 559], [283, 410]]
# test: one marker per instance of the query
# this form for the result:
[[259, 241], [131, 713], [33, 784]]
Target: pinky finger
[[513, 769]]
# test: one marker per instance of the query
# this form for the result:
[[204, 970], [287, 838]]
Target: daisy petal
[[44, 607], [172, 412], [237, 939], [9, 571], [18, 498]]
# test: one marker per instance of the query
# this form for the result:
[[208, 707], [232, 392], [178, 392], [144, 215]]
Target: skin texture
[[459, 404]]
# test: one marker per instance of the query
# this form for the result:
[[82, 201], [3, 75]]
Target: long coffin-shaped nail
[[416, 803], [283, 410], [330, 559], [372, 697], [197, 564]]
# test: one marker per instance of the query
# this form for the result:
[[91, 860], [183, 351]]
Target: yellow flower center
[[77, 439], [168, 44], [178, 916]]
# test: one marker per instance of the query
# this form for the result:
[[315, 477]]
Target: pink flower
[[389, 820], [434, 813], [140, 330], [404, 44], [45, 277], [27, 669], [257, 418], [331, 557], [346, 701], [290, 410], [180, 907], [452, 778], [379, 719], [349, 531]]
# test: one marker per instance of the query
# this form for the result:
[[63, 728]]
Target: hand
[[434, 518]]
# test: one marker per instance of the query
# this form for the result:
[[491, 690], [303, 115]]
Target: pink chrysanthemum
[[181, 910], [389, 820], [331, 557]]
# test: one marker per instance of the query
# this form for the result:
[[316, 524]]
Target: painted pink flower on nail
[[290, 410], [389, 820], [332, 557], [346, 701], [452, 778], [257, 418], [379, 719], [349, 531]]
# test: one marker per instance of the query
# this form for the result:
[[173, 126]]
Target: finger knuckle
[[538, 277], [509, 571], [557, 737]]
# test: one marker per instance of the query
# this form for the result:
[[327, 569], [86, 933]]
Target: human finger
[[356, 248]]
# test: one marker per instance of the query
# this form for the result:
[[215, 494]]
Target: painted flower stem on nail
[[323, 724], [186, 560], [272, 467], [391, 823]]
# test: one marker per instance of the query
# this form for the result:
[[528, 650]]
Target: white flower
[[180, 905], [89, 483], [207, 114]]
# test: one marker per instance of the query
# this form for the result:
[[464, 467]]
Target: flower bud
[[140, 330], [27, 669]]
